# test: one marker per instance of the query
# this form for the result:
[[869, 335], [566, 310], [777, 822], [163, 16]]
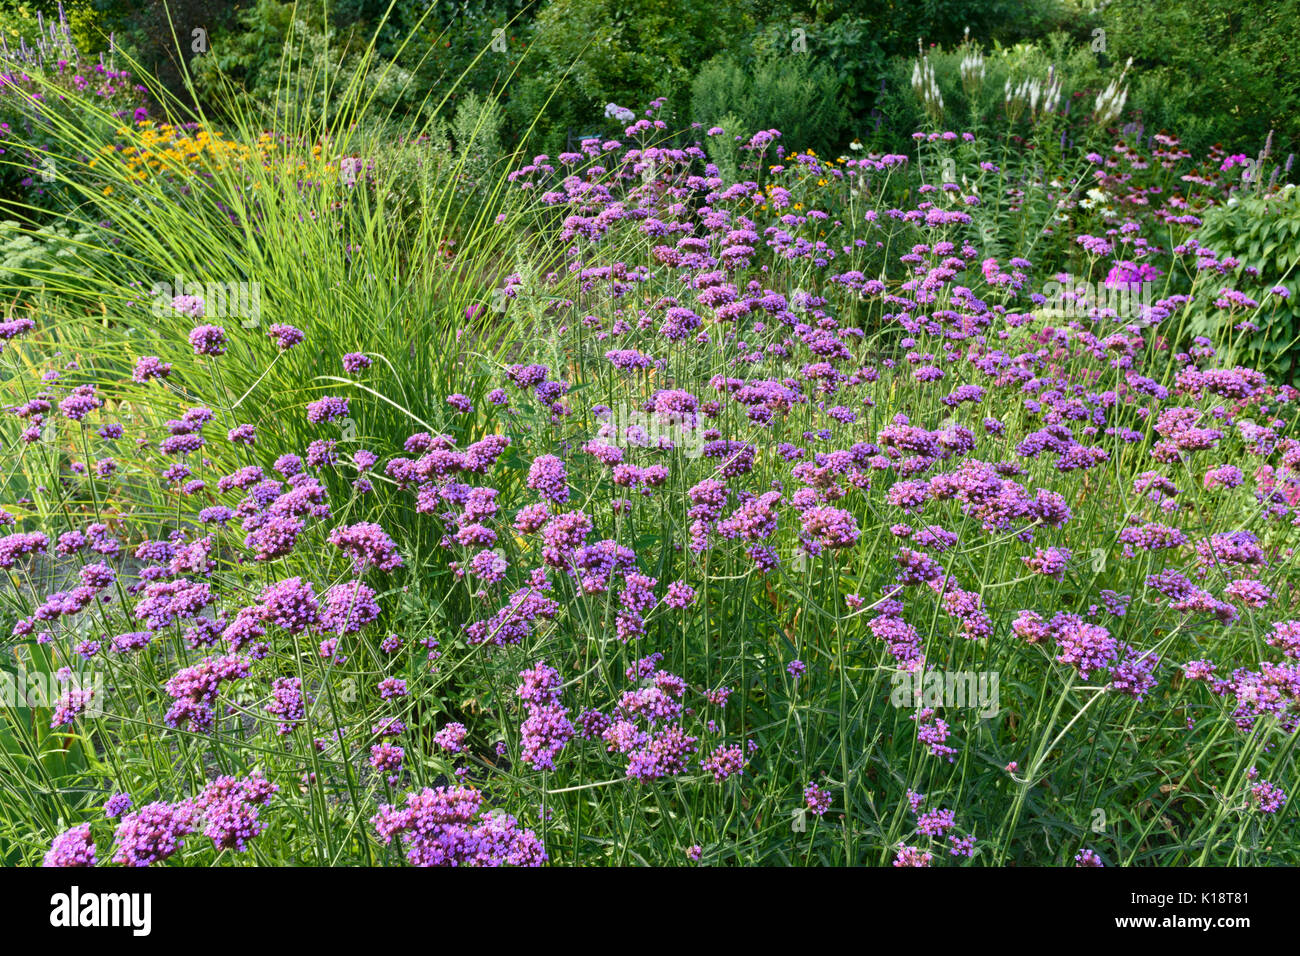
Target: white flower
[[622, 114]]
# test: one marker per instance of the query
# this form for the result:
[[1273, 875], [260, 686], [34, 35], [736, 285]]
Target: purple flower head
[[443, 827], [285, 336], [548, 477], [153, 833], [150, 367], [73, 847], [208, 340], [327, 409], [816, 799]]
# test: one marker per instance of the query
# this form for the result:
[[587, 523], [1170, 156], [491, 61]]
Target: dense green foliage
[[1211, 70], [1262, 232], [1214, 70]]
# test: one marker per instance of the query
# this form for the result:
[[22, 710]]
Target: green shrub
[[1213, 70], [792, 92], [590, 52], [1261, 231], [249, 55]]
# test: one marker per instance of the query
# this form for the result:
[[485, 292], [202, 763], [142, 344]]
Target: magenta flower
[[73, 847], [208, 340], [285, 336]]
